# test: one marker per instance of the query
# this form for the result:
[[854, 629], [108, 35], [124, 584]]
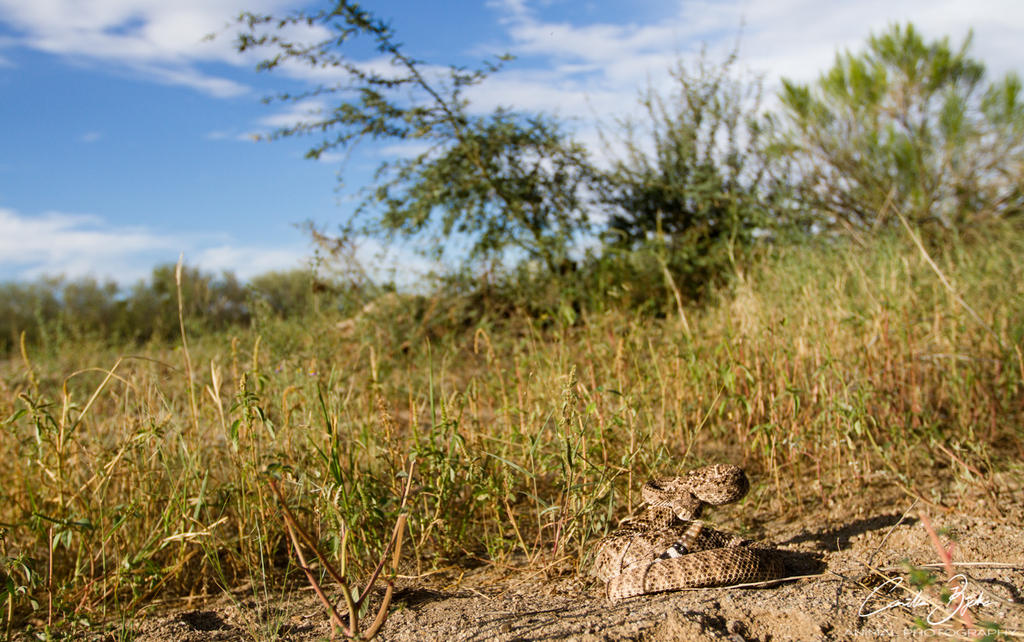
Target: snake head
[[688, 495], [718, 484]]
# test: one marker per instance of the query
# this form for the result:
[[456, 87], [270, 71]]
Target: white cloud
[[774, 42], [291, 115], [331, 158], [246, 261], [76, 245], [90, 137], [165, 41], [592, 72], [598, 44], [218, 87], [406, 149], [791, 38], [294, 113], [382, 262]]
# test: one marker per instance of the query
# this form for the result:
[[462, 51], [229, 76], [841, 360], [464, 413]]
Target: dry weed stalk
[[946, 557], [352, 606]]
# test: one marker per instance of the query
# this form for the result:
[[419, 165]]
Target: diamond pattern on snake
[[667, 548]]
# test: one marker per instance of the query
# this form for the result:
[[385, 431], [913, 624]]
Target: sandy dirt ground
[[836, 598]]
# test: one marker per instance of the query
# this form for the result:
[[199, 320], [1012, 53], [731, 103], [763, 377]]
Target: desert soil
[[831, 550]]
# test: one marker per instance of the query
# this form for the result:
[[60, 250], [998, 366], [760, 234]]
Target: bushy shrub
[[907, 126], [692, 185]]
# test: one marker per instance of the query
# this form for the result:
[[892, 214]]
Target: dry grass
[[825, 371]]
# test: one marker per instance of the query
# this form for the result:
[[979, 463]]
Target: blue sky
[[127, 136]]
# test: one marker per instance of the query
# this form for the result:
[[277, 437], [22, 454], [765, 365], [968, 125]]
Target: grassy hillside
[[825, 370]]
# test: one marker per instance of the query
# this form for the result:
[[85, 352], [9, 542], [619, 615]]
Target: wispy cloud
[[798, 39], [405, 149], [591, 72], [774, 42], [189, 77], [247, 261], [76, 245], [289, 115], [293, 113], [165, 41], [331, 158], [90, 137], [55, 243]]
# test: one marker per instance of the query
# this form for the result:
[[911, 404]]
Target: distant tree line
[[53, 311]]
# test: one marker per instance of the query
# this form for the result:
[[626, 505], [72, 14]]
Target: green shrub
[[909, 126]]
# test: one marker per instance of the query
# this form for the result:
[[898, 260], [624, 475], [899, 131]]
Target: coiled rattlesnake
[[667, 548]]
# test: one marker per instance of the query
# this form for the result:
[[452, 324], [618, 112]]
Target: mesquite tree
[[502, 180]]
